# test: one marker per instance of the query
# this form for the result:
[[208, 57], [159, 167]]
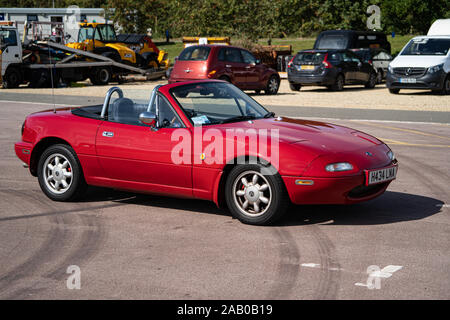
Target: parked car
[[330, 68], [350, 39], [424, 63], [378, 58], [162, 145], [235, 65]]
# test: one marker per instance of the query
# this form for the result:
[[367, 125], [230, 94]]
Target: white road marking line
[[310, 265], [369, 120], [42, 103]]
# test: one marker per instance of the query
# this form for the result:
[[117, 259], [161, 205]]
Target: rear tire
[[225, 78], [101, 76], [394, 91], [295, 86], [255, 196], [338, 83], [60, 174], [371, 83]]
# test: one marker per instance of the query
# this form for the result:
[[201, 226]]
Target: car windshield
[[85, 33], [427, 46], [215, 102], [7, 38], [332, 41]]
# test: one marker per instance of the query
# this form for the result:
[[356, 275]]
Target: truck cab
[[10, 55]]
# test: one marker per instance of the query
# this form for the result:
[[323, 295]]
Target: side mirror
[[257, 61], [148, 118], [176, 58], [67, 36]]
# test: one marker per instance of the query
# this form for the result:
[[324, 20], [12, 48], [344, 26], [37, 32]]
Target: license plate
[[307, 67], [380, 175], [408, 80]]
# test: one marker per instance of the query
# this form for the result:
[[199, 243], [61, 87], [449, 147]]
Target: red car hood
[[321, 136]]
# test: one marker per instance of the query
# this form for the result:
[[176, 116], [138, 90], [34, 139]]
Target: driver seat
[[122, 110]]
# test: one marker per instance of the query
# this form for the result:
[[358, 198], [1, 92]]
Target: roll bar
[[108, 97]]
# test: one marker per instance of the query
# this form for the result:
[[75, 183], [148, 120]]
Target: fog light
[[340, 166]]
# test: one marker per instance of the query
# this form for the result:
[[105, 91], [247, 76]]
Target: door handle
[[108, 134], [16, 55], [228, 65]]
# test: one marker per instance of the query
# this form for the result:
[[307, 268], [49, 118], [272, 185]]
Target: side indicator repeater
[[304, 182]]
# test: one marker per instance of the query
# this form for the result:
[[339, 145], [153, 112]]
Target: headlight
[[340, 166], [435, 68], [390, 69], [391, 155]]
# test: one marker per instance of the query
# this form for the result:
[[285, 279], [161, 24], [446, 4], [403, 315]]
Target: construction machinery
[[48, 63], [132, 49]]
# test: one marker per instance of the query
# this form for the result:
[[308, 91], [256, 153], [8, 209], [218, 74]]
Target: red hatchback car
[[232, 64]]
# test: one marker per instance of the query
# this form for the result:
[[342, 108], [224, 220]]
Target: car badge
[[408, 71], [369, 154], [202, 156]]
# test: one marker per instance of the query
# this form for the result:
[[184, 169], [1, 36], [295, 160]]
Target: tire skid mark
[[90, 241], [436, 190], [48, 250], [438, 173], [288, 265], [330, 274]]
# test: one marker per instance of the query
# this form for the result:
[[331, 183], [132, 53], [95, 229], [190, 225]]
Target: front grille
[[410, 85], [410, 72], [365, 191]]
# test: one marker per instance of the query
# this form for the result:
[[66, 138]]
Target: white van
[[424, 62]]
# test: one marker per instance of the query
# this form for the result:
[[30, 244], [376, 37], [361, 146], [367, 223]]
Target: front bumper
[[430, 81], [342, 190], [23, 151]]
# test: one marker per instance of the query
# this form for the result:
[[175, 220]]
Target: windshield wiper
[[237, 118], [269, 115]]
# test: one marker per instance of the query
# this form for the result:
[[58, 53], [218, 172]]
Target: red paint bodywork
[[139, 159], [242, 75]]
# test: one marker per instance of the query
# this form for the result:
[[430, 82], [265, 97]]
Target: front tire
[[394, 91], [12, 78], [254, 195], [295, 86], [273, 84], [60, 174], [446, 86]]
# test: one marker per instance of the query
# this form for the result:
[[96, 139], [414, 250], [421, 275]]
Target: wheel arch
[[219, 190], [40, 147]]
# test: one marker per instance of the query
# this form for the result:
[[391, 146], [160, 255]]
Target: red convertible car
[[207, 140]]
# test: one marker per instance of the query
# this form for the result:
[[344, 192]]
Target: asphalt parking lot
[[130, 246]]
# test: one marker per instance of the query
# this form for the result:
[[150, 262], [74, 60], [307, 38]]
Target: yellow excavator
[[133, 49]]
